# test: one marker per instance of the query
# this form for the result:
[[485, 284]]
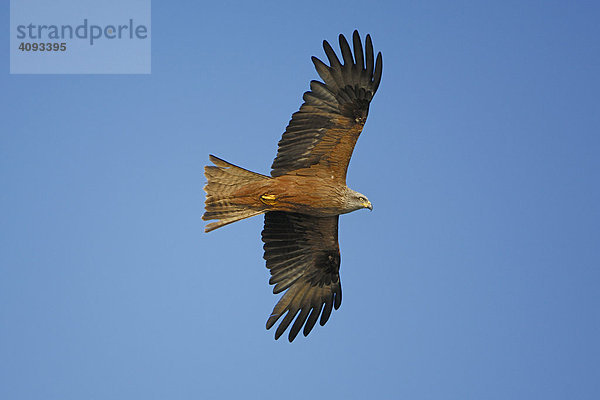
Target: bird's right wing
[[322, 134], [303, 256]]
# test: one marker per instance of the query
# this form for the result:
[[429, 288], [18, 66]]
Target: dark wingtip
[[342, 39], [358, 50], [378, 71], [338, 299], [271, 321], [331, 56]]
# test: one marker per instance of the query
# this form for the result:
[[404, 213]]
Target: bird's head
[[356, 201]]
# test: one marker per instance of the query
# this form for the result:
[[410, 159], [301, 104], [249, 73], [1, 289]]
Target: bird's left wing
[[303, 256]]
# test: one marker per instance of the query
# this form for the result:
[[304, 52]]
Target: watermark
[[83, 31], [80, 37]]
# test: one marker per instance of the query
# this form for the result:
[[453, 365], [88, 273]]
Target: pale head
[[354, 200]]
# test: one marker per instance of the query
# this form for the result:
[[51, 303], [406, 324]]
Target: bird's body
[[299, 193], [306, 192]]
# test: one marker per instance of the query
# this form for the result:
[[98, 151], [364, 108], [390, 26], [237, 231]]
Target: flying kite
[[306, 192]]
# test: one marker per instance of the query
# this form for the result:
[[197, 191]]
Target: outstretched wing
[[303, 256], [322, 134]]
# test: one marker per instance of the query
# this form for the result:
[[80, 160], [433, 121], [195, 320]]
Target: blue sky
[[476, 275]]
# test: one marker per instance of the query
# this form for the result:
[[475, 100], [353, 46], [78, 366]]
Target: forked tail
[[223, 201]]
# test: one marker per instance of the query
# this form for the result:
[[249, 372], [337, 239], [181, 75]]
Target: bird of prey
[[306, 192]]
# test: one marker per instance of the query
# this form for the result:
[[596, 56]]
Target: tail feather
[[224, 179]]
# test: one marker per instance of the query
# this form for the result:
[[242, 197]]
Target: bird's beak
[[369, 205]]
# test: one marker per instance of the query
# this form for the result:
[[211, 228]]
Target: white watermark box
[[80, 37]]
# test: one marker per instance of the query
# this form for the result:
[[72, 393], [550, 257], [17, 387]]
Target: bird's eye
[[362, 199]]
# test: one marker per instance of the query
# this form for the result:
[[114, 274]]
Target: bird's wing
[[322, 134], [303, 256]]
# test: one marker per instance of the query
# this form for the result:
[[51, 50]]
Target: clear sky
[[475, 277]]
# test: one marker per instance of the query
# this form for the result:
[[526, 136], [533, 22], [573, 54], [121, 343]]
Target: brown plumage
[[306, 192]]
